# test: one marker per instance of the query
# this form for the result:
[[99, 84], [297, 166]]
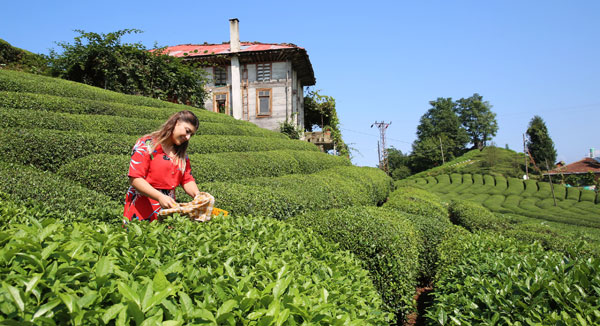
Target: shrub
[[49, 149], [107, 174], [35, 119], [31, 187], [75, 105], [531, 187], [417, 201], [515, 186], [15, 81], [290, 195], [588, 195], [573, 193], [384, 240], [234, 271], [478, 179], [474, 217], [432, 232], [486, 279]]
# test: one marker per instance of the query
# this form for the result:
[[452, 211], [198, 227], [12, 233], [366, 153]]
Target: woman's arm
[[143, 187], [191, 188]]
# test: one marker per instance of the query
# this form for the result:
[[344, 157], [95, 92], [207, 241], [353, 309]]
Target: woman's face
[[182, 132]]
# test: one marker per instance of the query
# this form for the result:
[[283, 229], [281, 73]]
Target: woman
[[159, 164]]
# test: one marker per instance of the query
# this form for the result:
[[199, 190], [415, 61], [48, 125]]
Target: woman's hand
[[166, 202]]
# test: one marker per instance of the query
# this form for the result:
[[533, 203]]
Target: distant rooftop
[[586, 165], [250, 52]]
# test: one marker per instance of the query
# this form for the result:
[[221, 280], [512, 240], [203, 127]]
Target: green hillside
[[491, 160], [310, 239]]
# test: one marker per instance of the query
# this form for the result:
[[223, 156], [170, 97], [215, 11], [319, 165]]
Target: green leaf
[[69, 301], [283, 316], [104, 266], [33, 282], [112, 312], [226, 307], [160, 282], [128, 293], [15, 295], [45, 308], [207, 315], [159, 297]]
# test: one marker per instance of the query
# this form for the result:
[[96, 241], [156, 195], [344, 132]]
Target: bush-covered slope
[[511, 195]]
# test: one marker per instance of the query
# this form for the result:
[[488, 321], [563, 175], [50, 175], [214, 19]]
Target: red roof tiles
[[194, 50], [586, 165]]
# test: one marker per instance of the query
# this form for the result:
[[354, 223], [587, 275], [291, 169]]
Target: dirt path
[[423, 298]]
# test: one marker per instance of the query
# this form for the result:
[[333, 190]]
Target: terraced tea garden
[[310, 240]]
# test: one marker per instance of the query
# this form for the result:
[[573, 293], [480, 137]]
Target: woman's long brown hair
[[166, 130]]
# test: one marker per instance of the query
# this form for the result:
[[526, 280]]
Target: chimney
[[234, 35], [591, 152]]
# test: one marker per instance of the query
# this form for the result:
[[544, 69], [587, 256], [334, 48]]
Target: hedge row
[[107, 174], [474, 217], [417, 201], [24, 82], [53, 194], [33, 119], [231, 271], [555, 236], [50, 149], [489, 280], [386, 242], [430, 217], [290, 195]]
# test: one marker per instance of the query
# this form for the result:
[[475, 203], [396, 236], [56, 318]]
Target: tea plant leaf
[[226, 307], [160, 282], [128, 294], [32, 283], [112, 312], [15, 295], [45, 308], [104, 266]]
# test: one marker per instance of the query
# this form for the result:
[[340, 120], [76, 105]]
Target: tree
[[478, 119], [539, 143], [101, 60], [440, 127], [398, 164]]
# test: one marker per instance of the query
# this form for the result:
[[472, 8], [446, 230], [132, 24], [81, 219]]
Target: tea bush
[[73, 105], [474, 217], [30, 187], [486, 279], [107, 174], [417, 201], [23, 82], [286, 196], [386, 242], [34, 119], [232, 271], [49, 149]]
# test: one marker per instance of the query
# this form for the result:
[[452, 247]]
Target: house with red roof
[[258, 82], [581, 167]]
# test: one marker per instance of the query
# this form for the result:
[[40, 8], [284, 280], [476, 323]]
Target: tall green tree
[[478, 119], [101, 60], [440, 130], [539, 143], [398, 163]]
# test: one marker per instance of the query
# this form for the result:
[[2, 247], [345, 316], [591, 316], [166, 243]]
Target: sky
[[382, 60]]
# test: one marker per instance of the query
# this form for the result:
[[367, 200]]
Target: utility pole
[[381, 150], [526, 154], [550, 180], [442, 149]]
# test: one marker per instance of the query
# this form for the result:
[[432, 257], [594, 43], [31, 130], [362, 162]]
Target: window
[[263, 72], [220, 103], [220, 76], [263, 102]]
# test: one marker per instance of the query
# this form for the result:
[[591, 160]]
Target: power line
[[382, 150]]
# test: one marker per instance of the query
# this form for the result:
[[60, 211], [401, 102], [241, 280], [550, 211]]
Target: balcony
[[321, 139]]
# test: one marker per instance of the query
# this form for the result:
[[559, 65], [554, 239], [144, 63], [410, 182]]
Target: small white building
[[257, 82]]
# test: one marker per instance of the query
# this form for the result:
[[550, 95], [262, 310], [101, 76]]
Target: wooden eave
[[297, 56]]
